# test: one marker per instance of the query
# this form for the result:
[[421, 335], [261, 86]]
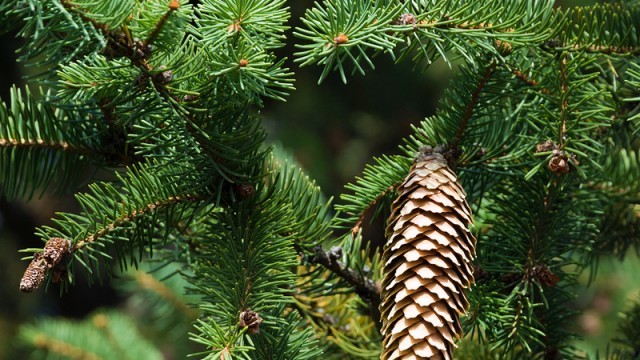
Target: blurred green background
[[333, 130]]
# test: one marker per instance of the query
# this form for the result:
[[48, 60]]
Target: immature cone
[[427, 263]]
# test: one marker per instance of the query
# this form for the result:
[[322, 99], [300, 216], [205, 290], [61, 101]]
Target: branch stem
[[564, 106], [475, 96], [107, 228], [156, 30], [366, 288]]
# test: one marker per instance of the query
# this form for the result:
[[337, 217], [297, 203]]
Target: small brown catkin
[[427, 263]]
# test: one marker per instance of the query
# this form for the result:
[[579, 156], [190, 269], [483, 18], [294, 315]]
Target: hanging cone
[[427, 263]]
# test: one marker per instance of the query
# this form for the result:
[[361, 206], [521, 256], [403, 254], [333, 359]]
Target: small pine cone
[[251, 320], [35, 273], [54, 252], [427, 263]]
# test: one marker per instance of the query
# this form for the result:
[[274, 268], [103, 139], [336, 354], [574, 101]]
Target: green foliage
[[539, 120], [38, 148], [250, 266], [104, 335], [604, 28], [634, 81], [628, 337], [125, 219], [345, 31]]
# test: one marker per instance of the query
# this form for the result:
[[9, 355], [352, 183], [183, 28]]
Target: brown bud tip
[[407, 19], [244, 191], [234, 27], [243, 62], [559, 163], [164, 77], [340, 39], [504, 48], [189, 97], [174, 4], [545, 276], [251, 320]]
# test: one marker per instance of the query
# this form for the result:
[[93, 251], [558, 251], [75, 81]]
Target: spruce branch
[[373, 203], [528, 80], [421, 31], [173, 6], [366, 288], [131, 216], [627, 332], [146, 203], [472, 102], [100, 336], [564, 102], [64, 349], [148, 282], [40, 144], [31, 128], [345, 32], [605, 29], [82, 13], [237, 21]]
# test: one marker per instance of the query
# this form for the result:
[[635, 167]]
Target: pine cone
[[427, 263]]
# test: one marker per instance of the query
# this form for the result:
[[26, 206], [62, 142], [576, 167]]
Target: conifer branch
[[81, 12], [133, 215], [41, 144], [468, 112], [150, 283], [97, 337], [356, 228], [564, 98], [57, 250], [532, 82], [173, 6], [607, 50], [554, 46], [63, 348], [122, 41], [365, 287]]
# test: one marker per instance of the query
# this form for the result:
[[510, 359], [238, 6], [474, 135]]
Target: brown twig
[[358, 225], [173, 6], [41, 144], [107, 228], [558, 46], [75, 9], [599, 49], [534, 83], [65, 349], [564, 106], [366, 288], [475, 96]]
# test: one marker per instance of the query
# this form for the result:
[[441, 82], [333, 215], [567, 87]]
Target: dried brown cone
[[54, 252], [251, 320], [427, 263]]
